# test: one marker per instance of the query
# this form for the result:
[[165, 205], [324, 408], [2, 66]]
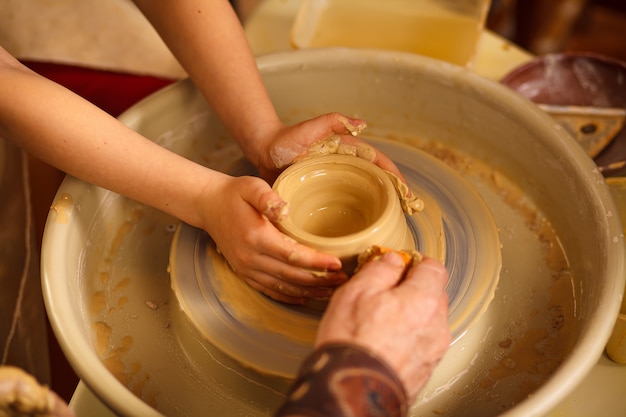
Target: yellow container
[[448, 30]]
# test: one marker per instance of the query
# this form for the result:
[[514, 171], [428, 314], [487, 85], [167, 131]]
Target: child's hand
[[238, 214], [289, 143]]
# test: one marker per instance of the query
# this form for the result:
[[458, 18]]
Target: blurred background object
[[544, 27]]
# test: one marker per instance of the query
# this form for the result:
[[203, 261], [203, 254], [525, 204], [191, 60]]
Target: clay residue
[[333, 145], [124, 230], [410, 202], [354, 130], [276, 211], [122, 284], [531, 357], [103, 337], [108, 298], [62, 206], [98, 302], [538, 352], [410, 258], [113, 359]]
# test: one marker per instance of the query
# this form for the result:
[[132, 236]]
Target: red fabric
[[113, 92]]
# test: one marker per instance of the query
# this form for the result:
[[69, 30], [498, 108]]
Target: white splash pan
[[104, 257]]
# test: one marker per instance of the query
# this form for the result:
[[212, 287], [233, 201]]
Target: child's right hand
[[237, 213]]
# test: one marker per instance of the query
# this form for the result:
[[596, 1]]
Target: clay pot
[[342, 205]]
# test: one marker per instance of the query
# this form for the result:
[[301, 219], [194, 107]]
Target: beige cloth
[[103, 34]]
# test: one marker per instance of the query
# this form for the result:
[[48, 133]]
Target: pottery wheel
[[273, 337]]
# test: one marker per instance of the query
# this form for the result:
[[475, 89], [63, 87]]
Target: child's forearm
[[208, 40], [71, 134]]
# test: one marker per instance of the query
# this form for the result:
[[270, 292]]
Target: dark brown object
[[578, 79], [341, 379]]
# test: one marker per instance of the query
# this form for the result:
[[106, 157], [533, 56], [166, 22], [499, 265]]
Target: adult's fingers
[[380, 274], [428, 275]]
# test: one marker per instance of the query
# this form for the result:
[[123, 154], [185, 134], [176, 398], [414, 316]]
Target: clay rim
[[334, 163]]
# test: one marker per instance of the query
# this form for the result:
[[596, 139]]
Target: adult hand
[[238, 215], [289, 143], [404, 323]]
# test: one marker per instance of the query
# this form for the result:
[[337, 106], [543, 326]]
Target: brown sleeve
[[342, 379]]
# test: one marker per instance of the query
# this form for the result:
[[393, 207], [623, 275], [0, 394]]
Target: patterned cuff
[[342, 379]]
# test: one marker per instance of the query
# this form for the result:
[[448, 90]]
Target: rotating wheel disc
[[274, 338]]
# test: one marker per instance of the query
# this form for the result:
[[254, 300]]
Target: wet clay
[[411, 202], [60, 206], [341, 204]]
